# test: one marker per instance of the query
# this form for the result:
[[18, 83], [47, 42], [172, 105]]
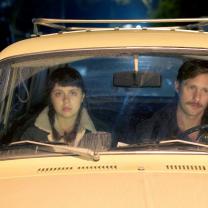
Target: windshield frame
[[101, 52]]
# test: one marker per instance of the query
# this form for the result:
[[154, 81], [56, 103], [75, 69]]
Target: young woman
[[65, 119]]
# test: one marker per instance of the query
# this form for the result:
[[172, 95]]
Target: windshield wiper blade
[[179, 141], [60, 148], [166, 143]]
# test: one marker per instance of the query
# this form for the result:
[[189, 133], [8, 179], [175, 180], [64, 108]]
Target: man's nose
[[197, 95]]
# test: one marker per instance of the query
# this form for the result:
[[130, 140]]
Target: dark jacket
[[87, 136], [163, 126]]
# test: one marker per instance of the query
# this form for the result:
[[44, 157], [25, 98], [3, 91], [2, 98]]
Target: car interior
[[115, 109]]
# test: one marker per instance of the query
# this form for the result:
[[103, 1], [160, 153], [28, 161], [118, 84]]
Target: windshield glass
[[77, 101]]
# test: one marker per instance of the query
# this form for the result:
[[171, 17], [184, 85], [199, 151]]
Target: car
[[129, 74]]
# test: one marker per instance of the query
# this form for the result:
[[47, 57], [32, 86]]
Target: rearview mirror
[[136, 79]]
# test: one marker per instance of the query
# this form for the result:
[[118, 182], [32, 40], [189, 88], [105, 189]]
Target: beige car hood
[[153, 180]]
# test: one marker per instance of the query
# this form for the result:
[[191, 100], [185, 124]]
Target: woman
[[65, 119]]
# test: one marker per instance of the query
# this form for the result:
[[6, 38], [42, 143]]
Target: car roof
[[95, 39]]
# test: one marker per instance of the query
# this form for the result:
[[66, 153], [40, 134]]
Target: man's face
[[193, 95]]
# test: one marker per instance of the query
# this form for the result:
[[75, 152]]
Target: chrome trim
[[54, 23]]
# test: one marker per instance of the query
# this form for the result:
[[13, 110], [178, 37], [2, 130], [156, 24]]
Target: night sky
[[16, 15]]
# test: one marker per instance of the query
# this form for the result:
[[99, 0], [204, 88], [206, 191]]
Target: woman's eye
[[73, 93], [58, 94]]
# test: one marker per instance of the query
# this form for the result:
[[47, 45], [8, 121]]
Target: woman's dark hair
[[191, 69], [66, 76]]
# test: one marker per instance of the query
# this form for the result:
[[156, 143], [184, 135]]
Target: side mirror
[[137, 79]]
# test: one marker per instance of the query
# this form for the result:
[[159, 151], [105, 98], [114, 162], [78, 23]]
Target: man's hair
[[191, 69]]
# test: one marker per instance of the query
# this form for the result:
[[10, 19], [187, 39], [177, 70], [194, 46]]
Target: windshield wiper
[[168, 143], [60, 148], [179, 141]]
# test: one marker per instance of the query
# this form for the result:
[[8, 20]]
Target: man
[[189, 111]]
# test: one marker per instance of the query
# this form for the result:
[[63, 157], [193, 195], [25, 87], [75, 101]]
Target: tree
[[179, 9]]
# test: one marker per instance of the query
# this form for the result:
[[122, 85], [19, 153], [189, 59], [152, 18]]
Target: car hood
[[156, 179]]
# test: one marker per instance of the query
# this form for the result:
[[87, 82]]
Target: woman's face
[[66, 100]]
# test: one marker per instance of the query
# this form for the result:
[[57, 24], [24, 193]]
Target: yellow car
[[130, 76]]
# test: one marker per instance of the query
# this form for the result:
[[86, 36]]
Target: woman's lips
[[66, 109]]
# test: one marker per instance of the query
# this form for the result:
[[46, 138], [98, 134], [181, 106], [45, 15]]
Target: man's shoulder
[[160, 125], [167, 112]]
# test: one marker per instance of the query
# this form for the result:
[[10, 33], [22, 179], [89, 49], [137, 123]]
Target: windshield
[[77, 101]]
